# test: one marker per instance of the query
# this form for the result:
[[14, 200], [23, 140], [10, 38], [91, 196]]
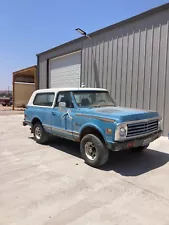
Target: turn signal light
[[108, 131]]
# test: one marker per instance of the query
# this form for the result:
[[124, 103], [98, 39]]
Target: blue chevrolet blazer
[[90, 116]]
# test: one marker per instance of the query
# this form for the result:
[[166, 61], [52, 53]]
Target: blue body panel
[[80, 123], [70, 127], [121, 114], [62, 126], [44, 114]]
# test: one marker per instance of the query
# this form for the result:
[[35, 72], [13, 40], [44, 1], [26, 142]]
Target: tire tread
[[44, 137], [103, 151]]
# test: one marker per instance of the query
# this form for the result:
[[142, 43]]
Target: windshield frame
[[93, 106]]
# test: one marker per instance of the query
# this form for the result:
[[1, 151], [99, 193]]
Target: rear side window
[[44, 99]]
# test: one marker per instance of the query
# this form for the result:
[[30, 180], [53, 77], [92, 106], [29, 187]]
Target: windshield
[[93, 99]]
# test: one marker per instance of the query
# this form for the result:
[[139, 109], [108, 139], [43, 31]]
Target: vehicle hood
[[122, 114]]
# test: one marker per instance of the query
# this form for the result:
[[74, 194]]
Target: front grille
[[135, 129]]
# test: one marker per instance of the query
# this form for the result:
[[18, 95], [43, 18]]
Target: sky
[[28, 27]]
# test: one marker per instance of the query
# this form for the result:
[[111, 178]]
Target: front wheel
[[40, 135], [93, 150]]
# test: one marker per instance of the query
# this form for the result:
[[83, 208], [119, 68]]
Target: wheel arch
[[34, 121], [91, 129]]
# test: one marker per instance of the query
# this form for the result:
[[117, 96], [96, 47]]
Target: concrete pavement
[[51, 185]]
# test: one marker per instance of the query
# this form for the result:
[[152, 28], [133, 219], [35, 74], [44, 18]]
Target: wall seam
[[111, 72], [165, 88], [127, 67], [151, 69], [107, 65], [121, 69], [158, 70], [145, 58], [116, 68], [132, 69]]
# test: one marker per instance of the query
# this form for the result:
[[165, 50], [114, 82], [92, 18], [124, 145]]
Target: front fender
[[91, 125]]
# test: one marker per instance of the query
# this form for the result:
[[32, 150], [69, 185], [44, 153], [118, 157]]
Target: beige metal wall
[[22, 93]]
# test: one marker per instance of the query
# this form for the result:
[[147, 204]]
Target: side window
[[44, 99], [64, 97]]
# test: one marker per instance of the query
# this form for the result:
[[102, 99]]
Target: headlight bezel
[[119, 127], [122, 132], [160, 124]]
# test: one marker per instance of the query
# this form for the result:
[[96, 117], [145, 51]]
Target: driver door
[[61, 119]]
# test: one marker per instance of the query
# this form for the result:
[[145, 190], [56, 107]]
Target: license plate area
[[146, 141]]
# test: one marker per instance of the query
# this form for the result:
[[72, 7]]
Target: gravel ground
[[7, 110]]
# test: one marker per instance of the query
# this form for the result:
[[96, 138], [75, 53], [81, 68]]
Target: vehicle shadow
[[129, 163], [126, 163], [69, 147]]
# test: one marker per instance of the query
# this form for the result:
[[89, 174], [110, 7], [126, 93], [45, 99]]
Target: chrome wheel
[[90, 151], [38, 133]]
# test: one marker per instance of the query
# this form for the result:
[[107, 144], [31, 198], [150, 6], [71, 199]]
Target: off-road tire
[[44, 136], [102, 153]]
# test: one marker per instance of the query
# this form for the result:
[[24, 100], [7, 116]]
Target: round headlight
[[123, 132]]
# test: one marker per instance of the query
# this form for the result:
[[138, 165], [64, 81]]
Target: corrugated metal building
[[130, 59]]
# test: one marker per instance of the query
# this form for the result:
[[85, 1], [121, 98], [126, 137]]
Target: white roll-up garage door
[[65, 71]]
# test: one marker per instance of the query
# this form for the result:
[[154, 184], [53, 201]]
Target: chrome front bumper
[[137, 142]]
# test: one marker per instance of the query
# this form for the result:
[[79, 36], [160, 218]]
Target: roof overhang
[[106, 29], [29, 71]]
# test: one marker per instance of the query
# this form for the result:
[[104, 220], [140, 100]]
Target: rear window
[[44, 99]]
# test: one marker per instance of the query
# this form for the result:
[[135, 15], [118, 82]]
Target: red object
[[4, 101], [130, 144]]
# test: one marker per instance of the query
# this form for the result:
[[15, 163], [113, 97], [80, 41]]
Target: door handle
[[54, 113]]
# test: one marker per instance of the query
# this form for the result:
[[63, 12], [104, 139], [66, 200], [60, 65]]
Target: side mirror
[[62, 106]]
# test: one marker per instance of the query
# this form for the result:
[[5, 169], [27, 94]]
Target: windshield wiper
[[98, 106], [109, 105], [92, 106]]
